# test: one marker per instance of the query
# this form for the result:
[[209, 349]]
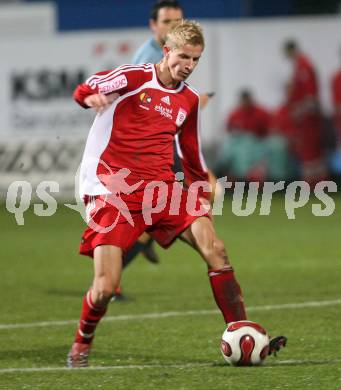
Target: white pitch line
[[24, 370], [136, 317], [103, 368]]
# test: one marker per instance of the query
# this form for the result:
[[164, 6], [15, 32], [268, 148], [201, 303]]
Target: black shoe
[[276, 343], [117, 296], [149, 253]]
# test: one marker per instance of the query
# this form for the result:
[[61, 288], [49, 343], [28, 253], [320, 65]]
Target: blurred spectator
[[249, 151], [163, 15], [282, 123], [304, 109], [248, 116], [335, 160]]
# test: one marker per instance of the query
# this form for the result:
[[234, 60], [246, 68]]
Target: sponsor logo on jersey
[[145, 100], [180, 119], [164, 111], [166, 100], [113, 85]]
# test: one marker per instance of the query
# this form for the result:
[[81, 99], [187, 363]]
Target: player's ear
[[165, 50]]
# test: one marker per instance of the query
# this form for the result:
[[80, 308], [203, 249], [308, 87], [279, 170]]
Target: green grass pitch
[[277, 261]]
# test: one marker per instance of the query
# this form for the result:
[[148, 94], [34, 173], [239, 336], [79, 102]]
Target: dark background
[[92, 14]]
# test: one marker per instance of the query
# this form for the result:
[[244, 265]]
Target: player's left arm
[[189, 150]]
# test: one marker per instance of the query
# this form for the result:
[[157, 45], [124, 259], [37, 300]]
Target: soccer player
[[303, 102], [129, 147], [163, 15]]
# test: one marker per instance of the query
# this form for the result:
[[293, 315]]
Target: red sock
[[227, 294], [90, 317]]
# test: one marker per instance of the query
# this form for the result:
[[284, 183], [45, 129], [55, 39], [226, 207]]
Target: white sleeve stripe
[[98, 78], [178, 147], [114, 76], [201, 156], [94, 83], [126, 66], [192, 90], [95, 79]]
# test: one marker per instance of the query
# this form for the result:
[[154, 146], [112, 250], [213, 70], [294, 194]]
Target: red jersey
[[281, 122], [309, 129], [304, 81], [253, 119], [137, 130]]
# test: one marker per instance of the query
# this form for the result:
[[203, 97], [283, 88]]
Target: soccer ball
[[244, 343]]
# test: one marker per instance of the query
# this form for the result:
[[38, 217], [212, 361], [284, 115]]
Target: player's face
[[182, 61], [166, 17]]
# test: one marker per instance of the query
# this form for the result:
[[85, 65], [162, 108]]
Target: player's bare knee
[[103, 289], [102, 296]]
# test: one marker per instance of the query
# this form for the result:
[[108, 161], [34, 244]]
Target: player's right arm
[[99, 101], [101, 89]]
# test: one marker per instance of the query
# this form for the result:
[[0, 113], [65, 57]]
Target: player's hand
[[100, 102]]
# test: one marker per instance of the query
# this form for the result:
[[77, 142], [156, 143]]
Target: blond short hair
[[183, 33]]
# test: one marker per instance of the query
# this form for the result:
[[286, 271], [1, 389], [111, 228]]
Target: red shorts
[[110, 224]]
